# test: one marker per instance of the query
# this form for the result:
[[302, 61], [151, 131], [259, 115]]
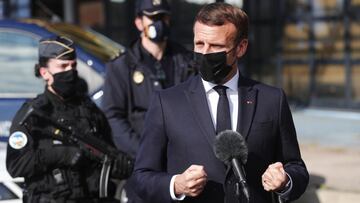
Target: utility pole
[[69, 11]]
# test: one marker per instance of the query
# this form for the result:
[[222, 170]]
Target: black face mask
[[65, 83], [213, 66], [158, 31]]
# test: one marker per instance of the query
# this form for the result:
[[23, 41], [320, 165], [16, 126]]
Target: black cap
[[57, 47], [152, 7]]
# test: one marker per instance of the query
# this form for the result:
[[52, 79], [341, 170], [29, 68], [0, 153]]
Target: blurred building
[[311, 48], [318, 51]]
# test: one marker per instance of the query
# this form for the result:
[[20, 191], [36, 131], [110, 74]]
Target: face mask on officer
[[158, 31], [213, 66], [65, 83]]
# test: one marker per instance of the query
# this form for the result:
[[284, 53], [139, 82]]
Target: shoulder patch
[[18, 140]]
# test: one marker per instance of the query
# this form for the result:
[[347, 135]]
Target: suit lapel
[[247, 104], [197, 101]]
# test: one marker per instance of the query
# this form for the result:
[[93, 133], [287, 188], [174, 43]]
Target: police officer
[[56, 170], [153, 62]]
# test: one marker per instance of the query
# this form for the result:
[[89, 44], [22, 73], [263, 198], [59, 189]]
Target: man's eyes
[[217, 46], [199, 43]]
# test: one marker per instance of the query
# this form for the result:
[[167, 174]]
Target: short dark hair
[[221, 13], [43, 62]]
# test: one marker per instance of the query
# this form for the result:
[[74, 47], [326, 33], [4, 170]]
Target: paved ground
[[330, 146], [334, 175]]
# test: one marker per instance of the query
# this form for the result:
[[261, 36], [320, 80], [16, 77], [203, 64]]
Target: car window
[[18, 54], [5, 193]]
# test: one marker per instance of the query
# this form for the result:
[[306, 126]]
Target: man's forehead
[[61, 61], [214, 32]]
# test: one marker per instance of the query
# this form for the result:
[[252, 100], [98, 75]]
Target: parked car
[[10, 188], [19, 53]]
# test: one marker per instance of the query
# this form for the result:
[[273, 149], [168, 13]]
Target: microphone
[[230, 147]]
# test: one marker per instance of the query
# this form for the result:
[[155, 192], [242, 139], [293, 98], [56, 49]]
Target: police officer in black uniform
[[56, 170], [153, 62]]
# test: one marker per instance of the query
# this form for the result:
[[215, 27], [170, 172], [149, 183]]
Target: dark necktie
[[223, 120]]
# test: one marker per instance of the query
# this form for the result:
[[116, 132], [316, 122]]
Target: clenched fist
[[274, 178], [191, 182]]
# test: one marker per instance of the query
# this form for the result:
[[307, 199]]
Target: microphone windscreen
[[230, 144]]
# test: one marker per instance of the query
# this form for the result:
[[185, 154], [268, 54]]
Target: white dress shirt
[[232, 95]]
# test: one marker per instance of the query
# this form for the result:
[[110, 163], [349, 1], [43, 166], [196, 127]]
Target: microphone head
[[230, 144]]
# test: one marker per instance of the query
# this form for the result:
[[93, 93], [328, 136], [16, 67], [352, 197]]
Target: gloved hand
[[122, 167], [61, 156]]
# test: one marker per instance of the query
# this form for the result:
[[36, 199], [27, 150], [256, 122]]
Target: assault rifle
[[112, 159]]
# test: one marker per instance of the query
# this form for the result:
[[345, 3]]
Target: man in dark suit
[[176, 159]]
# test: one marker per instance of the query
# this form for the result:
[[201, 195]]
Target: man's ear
[[139, 23], [241, 48], [44, 73]]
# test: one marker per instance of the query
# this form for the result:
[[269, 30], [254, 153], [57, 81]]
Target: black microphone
[[230, 147]]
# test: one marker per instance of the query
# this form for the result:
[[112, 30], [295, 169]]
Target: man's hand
[[191, 182], [274, 178]]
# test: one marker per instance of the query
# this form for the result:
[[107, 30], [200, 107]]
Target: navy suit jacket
[[179, 132]]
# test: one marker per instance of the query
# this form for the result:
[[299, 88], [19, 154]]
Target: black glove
[[61, 156], [122, 167]]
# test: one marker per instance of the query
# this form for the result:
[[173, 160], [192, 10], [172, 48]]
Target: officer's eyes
[[157, 17], [65, 65], [74, 65]]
